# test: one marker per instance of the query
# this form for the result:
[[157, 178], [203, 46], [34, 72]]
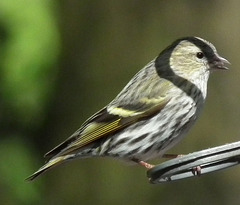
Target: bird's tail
[[52, 163]]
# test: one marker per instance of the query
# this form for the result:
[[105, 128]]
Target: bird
[[152, 113]]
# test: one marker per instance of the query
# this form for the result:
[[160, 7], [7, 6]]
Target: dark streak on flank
[[138, 139]]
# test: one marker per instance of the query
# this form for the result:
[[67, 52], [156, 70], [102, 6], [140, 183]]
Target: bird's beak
[[219, 63]]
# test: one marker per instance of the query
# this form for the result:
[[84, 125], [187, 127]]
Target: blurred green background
[[61, 61]]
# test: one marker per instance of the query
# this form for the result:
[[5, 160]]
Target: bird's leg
[[146, 165]]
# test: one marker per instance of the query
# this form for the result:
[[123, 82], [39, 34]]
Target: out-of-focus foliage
[[60, 61], [28, 57], [15, 163], [29, 46]]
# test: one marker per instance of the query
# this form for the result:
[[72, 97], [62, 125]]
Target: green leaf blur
[[28, 58]]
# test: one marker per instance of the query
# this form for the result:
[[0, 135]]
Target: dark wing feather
[[100, 116]]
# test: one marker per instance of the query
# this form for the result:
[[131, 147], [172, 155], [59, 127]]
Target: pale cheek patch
[[183, 59]]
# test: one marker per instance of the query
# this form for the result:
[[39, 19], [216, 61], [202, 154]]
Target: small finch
[[152, 113]]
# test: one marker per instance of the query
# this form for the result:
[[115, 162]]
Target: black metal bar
[[209, 160]]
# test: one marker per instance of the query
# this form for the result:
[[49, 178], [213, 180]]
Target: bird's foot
[[197, 171]]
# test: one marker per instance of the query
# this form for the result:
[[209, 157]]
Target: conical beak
[[219, 63]]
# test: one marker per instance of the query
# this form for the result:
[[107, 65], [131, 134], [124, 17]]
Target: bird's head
[[190, 58]]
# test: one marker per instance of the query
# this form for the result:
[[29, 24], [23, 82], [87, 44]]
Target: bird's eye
[[200, 55]]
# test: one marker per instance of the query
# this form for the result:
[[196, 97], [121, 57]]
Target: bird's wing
[[123, 111], [100, 125], [103, 124]]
